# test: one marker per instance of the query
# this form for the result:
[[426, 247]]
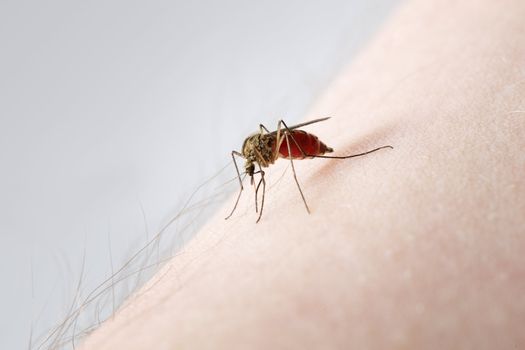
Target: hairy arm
[[417, 247]]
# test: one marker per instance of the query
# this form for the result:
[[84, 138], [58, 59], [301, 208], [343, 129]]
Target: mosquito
[[262, 149]]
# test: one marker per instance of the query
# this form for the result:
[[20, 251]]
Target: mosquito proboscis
[[263, 148]]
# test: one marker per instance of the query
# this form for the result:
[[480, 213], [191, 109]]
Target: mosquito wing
[[304, 124]]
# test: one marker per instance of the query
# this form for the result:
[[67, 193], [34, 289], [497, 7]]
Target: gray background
[[113, 112]]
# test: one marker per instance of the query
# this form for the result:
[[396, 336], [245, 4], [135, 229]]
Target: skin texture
[[420, 247]]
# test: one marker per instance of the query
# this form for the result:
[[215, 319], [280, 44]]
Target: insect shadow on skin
[[262, 149]]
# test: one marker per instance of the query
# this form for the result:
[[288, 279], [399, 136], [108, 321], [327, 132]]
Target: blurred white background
[[113, 112]]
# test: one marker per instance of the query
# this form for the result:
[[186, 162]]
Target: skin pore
[[416, 247]]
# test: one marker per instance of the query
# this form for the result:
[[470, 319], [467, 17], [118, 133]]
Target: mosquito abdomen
[[309, 143]]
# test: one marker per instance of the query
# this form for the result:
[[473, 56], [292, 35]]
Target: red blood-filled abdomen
[[310, 144]]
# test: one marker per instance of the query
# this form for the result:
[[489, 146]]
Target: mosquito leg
[[297, 126], [263, 194], [236, 202], [290, 134], [262, 127], [235, 153], [352, 155], [294, 173], [257, 191], [277, 141], [257, 188]]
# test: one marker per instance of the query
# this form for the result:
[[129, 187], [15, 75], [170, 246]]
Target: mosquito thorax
[[258, 148]]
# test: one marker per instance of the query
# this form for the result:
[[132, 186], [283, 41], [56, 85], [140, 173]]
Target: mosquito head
[[249, 168]]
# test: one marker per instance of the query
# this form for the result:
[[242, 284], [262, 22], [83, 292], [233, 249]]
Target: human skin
[[419, 247]]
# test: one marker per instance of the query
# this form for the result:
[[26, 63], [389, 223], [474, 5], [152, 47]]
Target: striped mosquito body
[[262, 149]]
